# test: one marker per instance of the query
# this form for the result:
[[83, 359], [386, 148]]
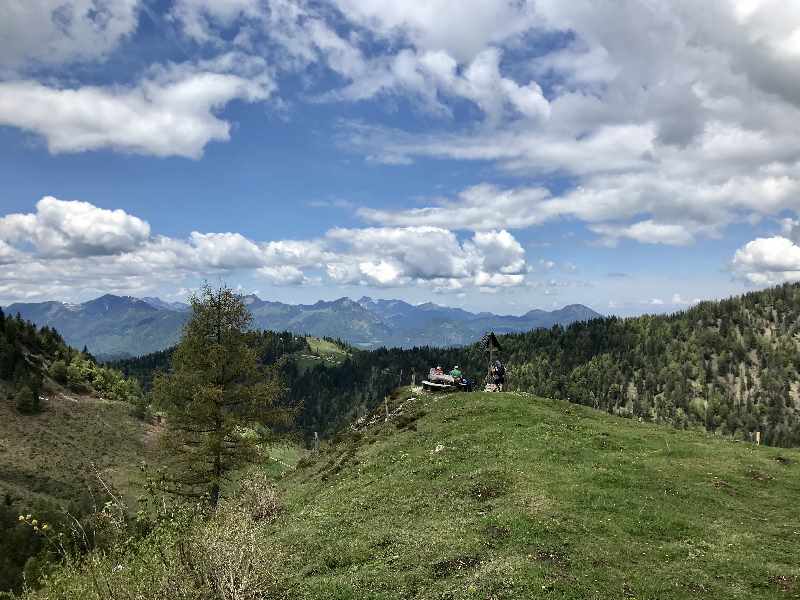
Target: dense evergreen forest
[[22, 348], [271, 347], [731, 366], [325, 395]]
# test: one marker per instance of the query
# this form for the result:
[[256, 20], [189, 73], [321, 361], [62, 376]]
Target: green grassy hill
[[509, 496], [503, 496], [320, 352]]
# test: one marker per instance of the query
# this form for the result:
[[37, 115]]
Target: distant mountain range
[[122, 326]]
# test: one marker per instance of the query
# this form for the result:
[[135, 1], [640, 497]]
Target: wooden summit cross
[[491, 345]]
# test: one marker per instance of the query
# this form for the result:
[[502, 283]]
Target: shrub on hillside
[[259, 498], [187, 555], [231, 557], [77, 376], [58, 371], [27, 401], [140, 409]]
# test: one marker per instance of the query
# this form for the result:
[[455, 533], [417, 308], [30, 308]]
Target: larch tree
[[214, 390]]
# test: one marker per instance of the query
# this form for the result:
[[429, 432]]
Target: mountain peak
[[109, 304], [344, 301], [107, 298], [252, 300], [109, 301], [576, 312], [581, 309], [428, 306]]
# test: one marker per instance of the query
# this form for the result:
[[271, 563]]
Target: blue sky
[[493, 154]]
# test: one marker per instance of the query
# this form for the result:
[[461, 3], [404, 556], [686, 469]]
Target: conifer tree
[[215, 388]]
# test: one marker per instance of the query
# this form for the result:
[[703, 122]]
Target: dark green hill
[[330, 382], [732, 367], [60, 413], [492, 496]]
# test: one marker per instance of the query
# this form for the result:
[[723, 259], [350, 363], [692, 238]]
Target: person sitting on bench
[[437, 375]]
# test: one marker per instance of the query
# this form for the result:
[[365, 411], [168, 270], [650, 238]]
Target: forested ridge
[[23, 352], [325, 395], [730, 366]]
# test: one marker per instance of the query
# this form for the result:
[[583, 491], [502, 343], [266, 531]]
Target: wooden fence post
[[386, 406]]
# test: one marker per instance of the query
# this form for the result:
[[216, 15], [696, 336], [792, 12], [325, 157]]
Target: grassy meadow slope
[[493, 496], [510, 496], [48, 463], [47, 457]]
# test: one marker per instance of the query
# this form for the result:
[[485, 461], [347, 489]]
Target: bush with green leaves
[[27, 401], [58, 371]]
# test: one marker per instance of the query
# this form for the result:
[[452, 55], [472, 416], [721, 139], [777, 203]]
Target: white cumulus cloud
[[73, 228], [61, 31], [479, 207], [433, 256], [498, 252], [768, 261], [66, 245], [7, 253], [671, 123], [646, 232], [171, 112], [461, 28]]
